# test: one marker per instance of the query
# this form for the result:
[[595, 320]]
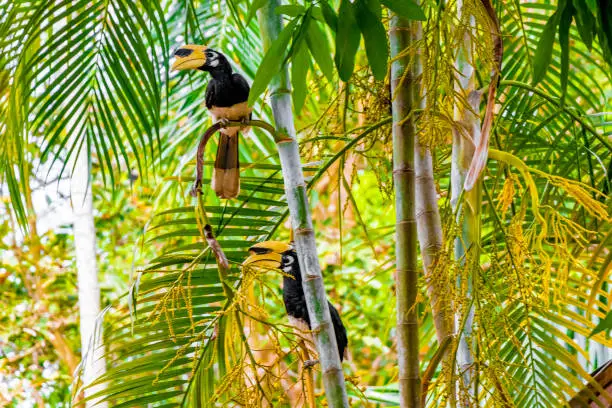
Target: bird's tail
[[226, 176]]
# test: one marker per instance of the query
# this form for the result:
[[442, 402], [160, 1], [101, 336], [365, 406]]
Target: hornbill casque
[[279, 255], [226, 99]]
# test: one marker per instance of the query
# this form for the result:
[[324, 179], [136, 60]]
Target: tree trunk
[[404, 88], [429, 226], [301, 222], [92, 349]]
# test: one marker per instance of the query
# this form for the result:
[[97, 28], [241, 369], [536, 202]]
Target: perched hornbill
[[279, 255], [226, 99]]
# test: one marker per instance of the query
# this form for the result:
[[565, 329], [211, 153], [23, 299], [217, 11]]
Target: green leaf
[[605, 32], [405, 8], [331, 18], [271, 62], [585, 22], [289, 10], [299, 34], [604, 325], [375, 7], [543, 54], [299, 72], [592, 5], [375, 39], [257, 4], [347, 40], [317, 13], [564, 27], [319, 48]]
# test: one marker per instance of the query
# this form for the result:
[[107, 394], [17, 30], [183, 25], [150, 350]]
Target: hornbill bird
[[279, 255], [226, 99]]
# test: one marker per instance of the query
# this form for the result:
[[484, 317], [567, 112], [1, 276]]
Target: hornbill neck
[[293, 293], [292, 279], [221, 72]]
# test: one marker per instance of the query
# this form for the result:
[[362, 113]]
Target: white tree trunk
[[462, 154], [92, 349]]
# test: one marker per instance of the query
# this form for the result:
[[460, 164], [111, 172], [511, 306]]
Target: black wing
[[339, 330], [241, 88], [211, 94]]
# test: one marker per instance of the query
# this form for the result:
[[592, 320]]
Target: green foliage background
[[92, 77]]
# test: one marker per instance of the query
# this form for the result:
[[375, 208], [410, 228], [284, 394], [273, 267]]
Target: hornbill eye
[[260, 251], [183, 52]]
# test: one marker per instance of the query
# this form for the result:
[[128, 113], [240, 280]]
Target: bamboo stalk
[[301, 222], [429, 231], [402, 34]]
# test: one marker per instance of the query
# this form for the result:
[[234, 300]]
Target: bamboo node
[[285, 140], [332, 370], [406, 323], [280, 91], [408, 222], [311, 277], [409, 377], [415, 269], [424, 178], [303, 231], [320, 327], [404, 170]]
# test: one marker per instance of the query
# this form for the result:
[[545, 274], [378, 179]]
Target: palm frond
[[179, 338], [85, 78]]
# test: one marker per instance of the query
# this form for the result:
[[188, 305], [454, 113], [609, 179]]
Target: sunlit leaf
[[405, 8], [272, 62], [299, 72], [319, 48], [543, 54]]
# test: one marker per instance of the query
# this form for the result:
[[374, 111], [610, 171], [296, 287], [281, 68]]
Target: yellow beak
[[269, 261], [267, 254], [189, 56]]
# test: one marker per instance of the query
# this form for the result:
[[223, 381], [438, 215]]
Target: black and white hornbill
[[279, 255], [226, 99]]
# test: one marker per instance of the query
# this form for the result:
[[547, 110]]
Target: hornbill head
[[192, 56], [268, 254]]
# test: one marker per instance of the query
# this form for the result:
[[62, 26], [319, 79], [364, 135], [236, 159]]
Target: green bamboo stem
[[301, 222], [402, 34], [431, 239]]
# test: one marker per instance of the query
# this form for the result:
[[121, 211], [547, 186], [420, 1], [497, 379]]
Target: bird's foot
[[244, 123], [310, 363], [224, 122], [197, 188]]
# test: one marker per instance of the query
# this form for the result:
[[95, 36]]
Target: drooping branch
[[479, 160], [216, 249]]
